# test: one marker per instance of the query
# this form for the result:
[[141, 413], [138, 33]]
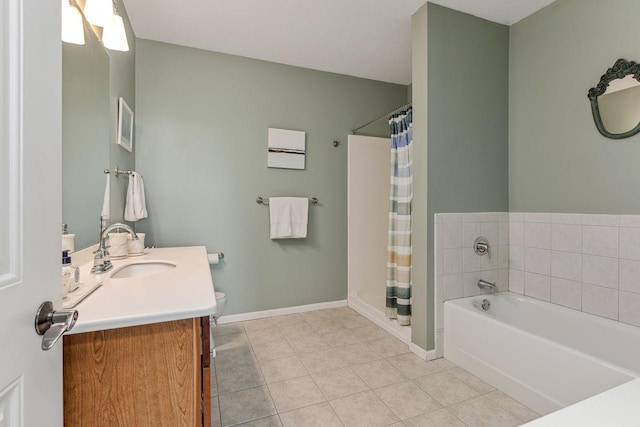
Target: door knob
[[53, 323]]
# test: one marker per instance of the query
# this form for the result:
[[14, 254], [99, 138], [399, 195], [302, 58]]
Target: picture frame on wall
[[125, 125]]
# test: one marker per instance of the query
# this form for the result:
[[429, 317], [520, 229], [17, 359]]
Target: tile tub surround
[[586, 262], [300, 370], [458, 268]]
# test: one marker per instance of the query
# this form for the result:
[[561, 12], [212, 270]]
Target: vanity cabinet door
[[148, 375]]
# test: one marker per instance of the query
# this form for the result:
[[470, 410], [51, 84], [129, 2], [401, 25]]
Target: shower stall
[[368, 207]]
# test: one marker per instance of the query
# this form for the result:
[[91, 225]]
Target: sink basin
[[143, 268]]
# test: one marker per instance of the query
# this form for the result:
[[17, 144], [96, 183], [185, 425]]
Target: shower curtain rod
[[386, 116]]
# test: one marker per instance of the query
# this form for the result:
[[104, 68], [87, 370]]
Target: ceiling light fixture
[[98, 12], [114, 36], [72, 25]]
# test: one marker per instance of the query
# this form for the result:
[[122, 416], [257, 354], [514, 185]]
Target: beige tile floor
[[336, 368]]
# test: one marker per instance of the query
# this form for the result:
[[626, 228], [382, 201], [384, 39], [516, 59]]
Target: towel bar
[[261, 201], [118, 172]]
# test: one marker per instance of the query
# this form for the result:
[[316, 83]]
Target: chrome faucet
[[101, 259], [483, 284]]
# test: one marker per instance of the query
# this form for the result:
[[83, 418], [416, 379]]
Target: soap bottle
[[70, 274], [68, 240]]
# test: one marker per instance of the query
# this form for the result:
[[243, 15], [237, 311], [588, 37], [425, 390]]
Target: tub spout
[[483, 284]]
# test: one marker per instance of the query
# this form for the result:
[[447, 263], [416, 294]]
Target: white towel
[[135, 208], [106, 203], [289, 217]]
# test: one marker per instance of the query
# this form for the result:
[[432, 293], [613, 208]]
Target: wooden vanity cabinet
[[148, 375]]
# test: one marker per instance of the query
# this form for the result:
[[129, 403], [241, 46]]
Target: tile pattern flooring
[[336, 368]]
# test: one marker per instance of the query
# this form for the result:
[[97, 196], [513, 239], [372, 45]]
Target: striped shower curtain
[[399, 241]]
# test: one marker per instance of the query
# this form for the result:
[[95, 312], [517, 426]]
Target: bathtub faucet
[[483, 284]]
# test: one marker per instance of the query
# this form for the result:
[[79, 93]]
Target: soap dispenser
[[70, 274], [68, 240]]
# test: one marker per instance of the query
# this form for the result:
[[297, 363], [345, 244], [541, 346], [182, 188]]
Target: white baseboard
[[422, 353], [403, 333], [280, 311]]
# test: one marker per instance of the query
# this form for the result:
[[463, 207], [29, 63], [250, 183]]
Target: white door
[[30, 209]]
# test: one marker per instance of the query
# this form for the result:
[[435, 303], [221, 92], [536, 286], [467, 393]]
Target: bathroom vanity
[[139, 353]]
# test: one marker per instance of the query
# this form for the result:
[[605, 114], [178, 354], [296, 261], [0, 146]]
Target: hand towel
[[288, 217], [135, 208], [106, 203]]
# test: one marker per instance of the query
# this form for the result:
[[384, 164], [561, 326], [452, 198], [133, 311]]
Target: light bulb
[[114, 36], [99, 12], [72, 25]]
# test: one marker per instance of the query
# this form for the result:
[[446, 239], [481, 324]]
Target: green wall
[[466, 121], [558, 162], [201, 135]]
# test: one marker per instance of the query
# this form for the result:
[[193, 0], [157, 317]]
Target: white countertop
[[615, 407], [185, 291]]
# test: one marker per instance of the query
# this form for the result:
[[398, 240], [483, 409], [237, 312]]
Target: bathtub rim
[[476, 312]]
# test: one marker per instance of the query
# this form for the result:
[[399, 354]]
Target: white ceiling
[[363, 38], [506, 12]]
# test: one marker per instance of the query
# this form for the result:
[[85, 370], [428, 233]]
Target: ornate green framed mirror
[[615, 101]]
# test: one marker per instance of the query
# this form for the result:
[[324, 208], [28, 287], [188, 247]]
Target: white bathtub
[[544, 355]]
